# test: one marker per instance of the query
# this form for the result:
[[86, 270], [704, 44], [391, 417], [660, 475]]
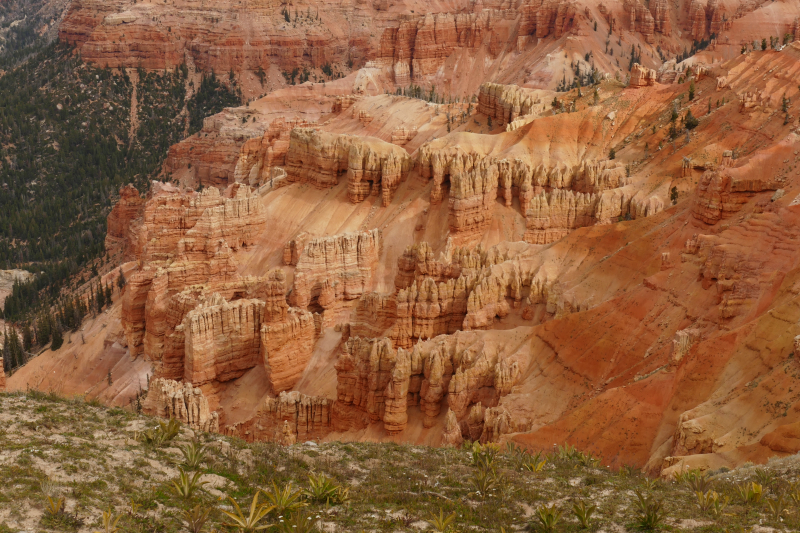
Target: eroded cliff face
[[372, 167], [181, 401], [378, 383], [554, 201], [122, 222], [578, 274], [335, 269]]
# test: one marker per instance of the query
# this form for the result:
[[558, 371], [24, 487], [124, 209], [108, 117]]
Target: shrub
[[548, 517], [583, 512], [650, 513], [442, 523]]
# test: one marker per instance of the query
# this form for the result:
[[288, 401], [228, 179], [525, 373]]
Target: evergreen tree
[[101, 299], [27, 337], [121, 279], [58, 338]]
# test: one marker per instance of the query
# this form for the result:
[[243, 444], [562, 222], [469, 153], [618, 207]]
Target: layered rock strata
[[245, 37], [290, 417], [333, 269], [562, 198], [722, 192], [121, 225], [640, 19], [382, 382], [260, 157], [182, 401], [372, 165], [507, 103], [222, 339], [287, 335], [419, 46], [642, 76], [184, 239]]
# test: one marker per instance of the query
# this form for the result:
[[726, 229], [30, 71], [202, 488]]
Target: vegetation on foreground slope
[[69, 465]]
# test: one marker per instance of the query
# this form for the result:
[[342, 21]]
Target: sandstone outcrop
[[287, 335], [222, 339], [333, 269], [507, 103], [661, 17], [419, 47], [372, 166], [581, 337], [542, 18], [383, 382], [121, 221], [287, 418], [294, 248], [159, 36], [721, 193], [642, 76], [476, 181], [697, 18], [552, 216], [182, 401], [258, 157], [184, 239], [640, 19]]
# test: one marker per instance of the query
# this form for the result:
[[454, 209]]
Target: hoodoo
[[425, 222]]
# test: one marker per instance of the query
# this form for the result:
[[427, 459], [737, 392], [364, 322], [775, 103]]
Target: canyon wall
[[181, 401], [381, 383], [373, 167], [335, 269]]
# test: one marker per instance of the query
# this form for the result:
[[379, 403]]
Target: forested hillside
[[70, 136]]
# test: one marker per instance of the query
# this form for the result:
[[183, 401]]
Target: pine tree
[[121, 281], [58, 339], [101, 299], [27, 337]]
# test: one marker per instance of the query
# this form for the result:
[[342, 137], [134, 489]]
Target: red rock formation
[[184, 239], [181, 401], [547, 17], [242, 36], [287, 336], [306, 417], [373, 166], [401, 136], [334, 269], [375, 314], [642, 76], [222, 339], [382, 383], [294, 248], [506, 103], [419, 47], [661, 17], [121, 221], [363, 371], [640, 19], [697, 18], [723, 192], [258, 157], [553, 216]]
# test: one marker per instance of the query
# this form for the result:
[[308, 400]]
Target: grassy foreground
[[69, 465]]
